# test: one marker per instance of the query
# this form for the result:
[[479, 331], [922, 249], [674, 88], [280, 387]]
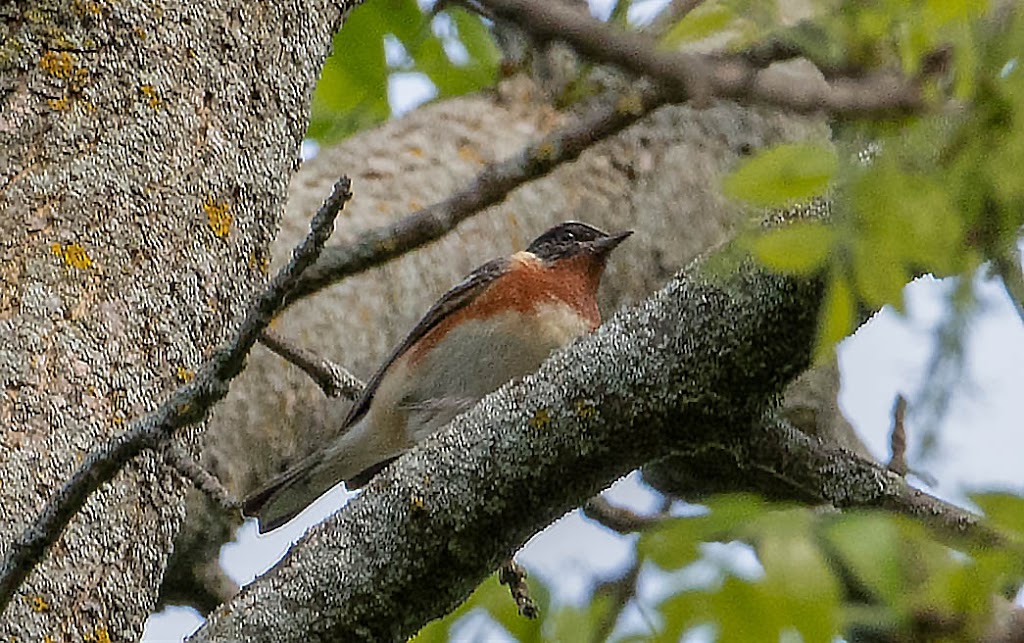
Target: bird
[[500, 323]]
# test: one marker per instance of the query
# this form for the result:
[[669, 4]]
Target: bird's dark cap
[[572, 238]]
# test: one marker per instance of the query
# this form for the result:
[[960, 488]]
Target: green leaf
[[572, 623], [1004, 510], [352, 92], [674, 544], [800, 248], [704, 21], [680, 613], [879, 272], [838, 315], [868, 544], [477, 38], [783, 174], [796, 574], [746, 612]]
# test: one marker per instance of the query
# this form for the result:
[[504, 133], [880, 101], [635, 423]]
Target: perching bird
[[500, 323]]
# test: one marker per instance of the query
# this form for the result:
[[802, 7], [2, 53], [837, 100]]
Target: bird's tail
[[350, 457], [281, 499]]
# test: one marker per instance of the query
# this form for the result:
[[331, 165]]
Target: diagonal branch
[[189, 405], [491, 186], [694, 363], [333, 379], [702, 77]]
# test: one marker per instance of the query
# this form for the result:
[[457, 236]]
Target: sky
[[979, 443]]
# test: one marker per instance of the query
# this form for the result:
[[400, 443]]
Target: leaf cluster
[[454, 50]]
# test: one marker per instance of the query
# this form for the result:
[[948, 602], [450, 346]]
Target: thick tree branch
[[700, 77], [189, 405], [781, 463], [696, 366], [670, 373]]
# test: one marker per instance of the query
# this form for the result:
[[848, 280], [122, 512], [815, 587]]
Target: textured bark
[[444, 518], [695, 369], [144, 157]]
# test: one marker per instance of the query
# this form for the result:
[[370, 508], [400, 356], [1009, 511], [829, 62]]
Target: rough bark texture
[[692, 366], [144, 156]]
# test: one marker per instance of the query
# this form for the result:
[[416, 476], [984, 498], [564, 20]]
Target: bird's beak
[[604, 245]]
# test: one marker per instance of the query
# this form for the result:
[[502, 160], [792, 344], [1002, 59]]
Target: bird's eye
[[568, 237]]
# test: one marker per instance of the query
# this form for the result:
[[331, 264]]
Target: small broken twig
[[334, 380], [619, 519], [513, 574], [178, 459], [898, 438]]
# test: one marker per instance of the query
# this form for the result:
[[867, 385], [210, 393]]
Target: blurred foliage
[[822, 575], [353, 90], [936, 193]]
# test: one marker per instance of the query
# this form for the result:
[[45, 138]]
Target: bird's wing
[[460, 295]]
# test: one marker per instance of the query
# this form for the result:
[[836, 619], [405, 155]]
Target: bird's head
[[575, 240]]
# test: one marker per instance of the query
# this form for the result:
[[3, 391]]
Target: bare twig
[[189, 405], [621, 591], [1009, 270], [700, 77], [513, 574], [334, 380], [491, 186], [177, 458], [619, 519], [898, 438]]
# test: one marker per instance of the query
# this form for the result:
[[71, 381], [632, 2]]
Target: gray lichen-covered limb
[[668, 374], [782, 463]]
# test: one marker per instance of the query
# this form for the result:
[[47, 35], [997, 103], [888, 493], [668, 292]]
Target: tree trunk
[[145, 152]]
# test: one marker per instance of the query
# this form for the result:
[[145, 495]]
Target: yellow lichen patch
[[185, 374], [541, 419], [151, 94], [416, 502], [218, 216], [99, 635], [58, 104], [59, 64], [630, 103], [73, 254], [470, 153], [585, 410], [545, 151], [258, 261], [87, 8], [38, 603], [416, 151]]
